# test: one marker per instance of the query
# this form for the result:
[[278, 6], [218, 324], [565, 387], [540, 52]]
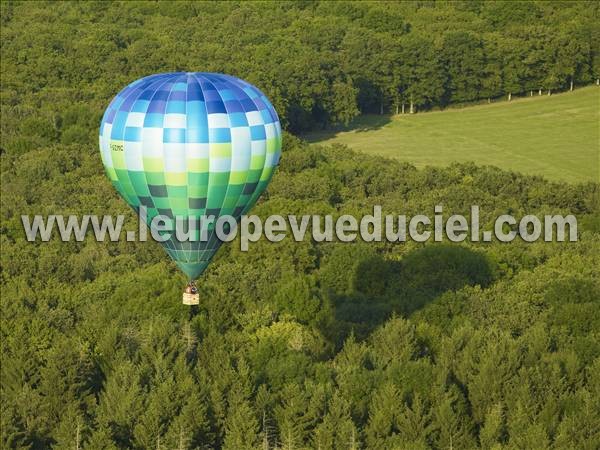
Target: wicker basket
[[191, 299]]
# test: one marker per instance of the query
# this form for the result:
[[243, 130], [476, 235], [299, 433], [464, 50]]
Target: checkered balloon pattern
[[190, 145]]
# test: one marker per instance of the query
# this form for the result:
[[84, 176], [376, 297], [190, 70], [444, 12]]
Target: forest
[[320, 63], [297, 345]]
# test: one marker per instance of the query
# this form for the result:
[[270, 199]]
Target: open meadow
[[556, 136]]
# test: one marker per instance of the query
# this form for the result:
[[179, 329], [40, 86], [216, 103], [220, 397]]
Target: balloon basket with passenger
[[190, 294]]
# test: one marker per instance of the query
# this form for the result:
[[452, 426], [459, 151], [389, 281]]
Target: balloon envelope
[[190, 145]]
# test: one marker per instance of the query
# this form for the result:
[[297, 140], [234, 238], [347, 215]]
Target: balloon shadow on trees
[[378, 287]]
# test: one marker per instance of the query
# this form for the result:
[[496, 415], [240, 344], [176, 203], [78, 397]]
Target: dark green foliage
[[320, 64]]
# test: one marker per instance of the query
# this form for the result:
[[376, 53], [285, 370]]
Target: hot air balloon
[[190, 144]]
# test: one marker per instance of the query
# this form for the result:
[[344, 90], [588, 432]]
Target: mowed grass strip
[[555, 136]]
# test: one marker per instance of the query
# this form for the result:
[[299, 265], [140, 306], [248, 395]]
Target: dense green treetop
[[301, 344]]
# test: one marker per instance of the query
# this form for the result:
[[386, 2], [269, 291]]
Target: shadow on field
[[362, 123], [381, 287]]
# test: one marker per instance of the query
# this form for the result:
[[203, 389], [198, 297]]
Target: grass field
[[557, 136]]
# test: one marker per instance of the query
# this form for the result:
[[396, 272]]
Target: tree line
[[321, 63]]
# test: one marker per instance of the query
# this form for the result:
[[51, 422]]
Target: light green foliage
[[492, 345]]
